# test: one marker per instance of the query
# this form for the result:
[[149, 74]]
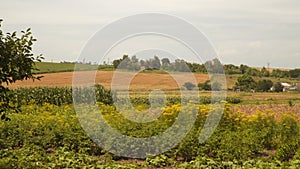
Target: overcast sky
[[243, 32]]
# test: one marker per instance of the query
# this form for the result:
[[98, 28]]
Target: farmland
[[257, 130], [49, 67], [50, 136], [144, 82]]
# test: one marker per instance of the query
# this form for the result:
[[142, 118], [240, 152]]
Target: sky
[[255, 32]]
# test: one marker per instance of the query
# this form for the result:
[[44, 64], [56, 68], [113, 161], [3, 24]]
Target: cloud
[[259, 30]]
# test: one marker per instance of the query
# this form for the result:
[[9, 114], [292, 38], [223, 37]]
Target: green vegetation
[[264, 85], [189, 85], [245, 83], [50, 136], [40, 128], [49, 67], [64, 95], [211, 66], [16, 63]]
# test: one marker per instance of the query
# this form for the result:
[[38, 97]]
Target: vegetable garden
[[45, 133]]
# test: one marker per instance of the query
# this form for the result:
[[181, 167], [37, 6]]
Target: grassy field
[[50, 67]]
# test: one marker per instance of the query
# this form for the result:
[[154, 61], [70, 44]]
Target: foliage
[[51, 67], [16, 62], [205, 86], [61, 95], [212, 66], [189, 85], [50, 136], [245, 83], [264, 85], [278, 87], [158, 161], [295, 73], [216, 86]]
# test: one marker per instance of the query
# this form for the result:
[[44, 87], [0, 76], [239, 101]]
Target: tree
[[16, 63], [156, 63], [295, 73], [165, 62], [245, 83], [216, 86], [189, 85], [280, 73], [243, 68], [265, 72], [204, 86], [232, 69], [264, 85], [214, 66], [278, 87], [116, 63]]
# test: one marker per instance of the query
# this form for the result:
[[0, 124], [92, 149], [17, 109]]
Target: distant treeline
[[213, 66]]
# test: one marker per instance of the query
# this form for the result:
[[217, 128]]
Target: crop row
[[97, 93]]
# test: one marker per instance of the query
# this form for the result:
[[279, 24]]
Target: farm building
[[288, 87]]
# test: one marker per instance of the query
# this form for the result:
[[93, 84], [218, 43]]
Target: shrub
[[189, 85]]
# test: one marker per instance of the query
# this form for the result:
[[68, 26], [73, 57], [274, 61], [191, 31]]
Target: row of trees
[[213, 66], [179, 65], [243, 83], [151, 64], [247, 83], [207, 85]]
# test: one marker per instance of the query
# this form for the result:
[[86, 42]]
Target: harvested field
[[142, 81]]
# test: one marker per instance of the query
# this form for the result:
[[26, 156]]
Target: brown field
[[142, 81], [145, 82]]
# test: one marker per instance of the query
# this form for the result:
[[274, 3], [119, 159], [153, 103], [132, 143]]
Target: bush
[[205, 86], [264, 85], [189, 85]]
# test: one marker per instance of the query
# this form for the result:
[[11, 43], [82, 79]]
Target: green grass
[[49, 67]]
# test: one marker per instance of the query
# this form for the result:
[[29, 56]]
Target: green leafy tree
[[245, 83], [265, 72], [214, 66], [165, 63], [189, 85], [264, 85], [16, 63], [295, 73], [279, 73], [243, 68], [205, 86], [278, 87]]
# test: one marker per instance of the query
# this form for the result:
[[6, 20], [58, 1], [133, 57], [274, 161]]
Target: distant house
[[286, 87]]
